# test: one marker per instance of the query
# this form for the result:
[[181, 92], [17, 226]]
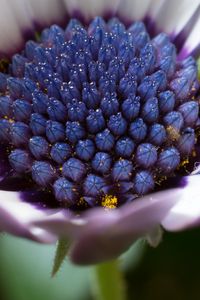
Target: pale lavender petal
[[192, 42], [46, 12], [10, 34], [17, 17], [172, 15], [89, 8], [101, 234], [131, 222], [186, 213], [181, 36], [16, 217], [133, 10]]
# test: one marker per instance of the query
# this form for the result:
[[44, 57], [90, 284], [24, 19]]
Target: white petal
[[172, 15], [10, 33], [16, 217], [90, 8], [192, 41], [186, 212], [136, 218], [46, 11], [110, 233], [19, 16], [134, 10]]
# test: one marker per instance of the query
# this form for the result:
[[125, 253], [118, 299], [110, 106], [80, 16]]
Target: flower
[[67, 165]]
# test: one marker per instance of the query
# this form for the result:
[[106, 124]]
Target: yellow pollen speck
[[160, 180], [109, 202], [194, 153], [4, 63], [173, 133], [184, 162], [82, 202]]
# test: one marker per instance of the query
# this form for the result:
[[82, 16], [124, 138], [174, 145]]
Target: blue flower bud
[[28, 87], [55, 131], [168, 65], [37, 124], [190, 112], [109, 105], [74, 169], [166, 101], [5, 106], [30, 49], [174, 119], [180, 87], [42, 172], [143, 182], [136, 28], [85, 149], [122, 170], [18, 65], [65, 191], [106, 53], [131, 108], [95, 121], [102, 162], [107, 83], [96, 70], [15, 87], [56, 110], [117, 124], [127, 85], [124, 147], [168, 160], [150, 110], [74, 131], [148, 54], [5, 130], [40, 102], [3, 82], [157, 134], [186, 141], [20, 133], [54, 88], [146, 155], [39, 147], [117, 66], [90, 95], [20, 160], [138, 130], [76, 111], [94, 185], [22, 110], [125, 53], [105, 140], [60, 152]]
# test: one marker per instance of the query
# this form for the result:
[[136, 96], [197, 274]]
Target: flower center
[[98, 115]]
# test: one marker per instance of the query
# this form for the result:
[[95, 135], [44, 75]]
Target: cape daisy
[[99, 122]]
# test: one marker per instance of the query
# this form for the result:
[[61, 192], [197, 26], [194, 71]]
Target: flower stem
[[108, 282]]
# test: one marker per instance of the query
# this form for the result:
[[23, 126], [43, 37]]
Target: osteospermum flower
[[99, 122]]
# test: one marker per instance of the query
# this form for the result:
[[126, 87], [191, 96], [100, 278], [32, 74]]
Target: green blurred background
[[171, 271]]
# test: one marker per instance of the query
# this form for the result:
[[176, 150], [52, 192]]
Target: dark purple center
[[98, 115]]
